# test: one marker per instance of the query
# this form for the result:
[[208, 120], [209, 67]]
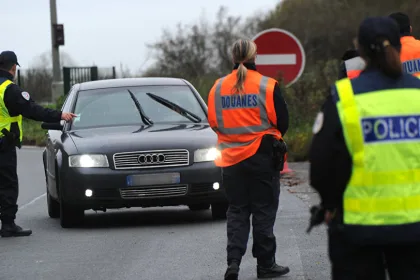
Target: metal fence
[[74, 75]]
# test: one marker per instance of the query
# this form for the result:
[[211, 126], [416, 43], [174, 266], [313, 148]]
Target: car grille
[[151, 159], [154, 191]]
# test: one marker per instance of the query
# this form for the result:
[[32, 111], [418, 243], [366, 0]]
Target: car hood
[[135, 138]]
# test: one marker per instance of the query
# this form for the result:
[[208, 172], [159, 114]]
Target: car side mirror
[[52, 126]]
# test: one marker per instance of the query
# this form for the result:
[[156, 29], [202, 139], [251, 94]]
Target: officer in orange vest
[[410, 51], [250, 117], [352, 65]]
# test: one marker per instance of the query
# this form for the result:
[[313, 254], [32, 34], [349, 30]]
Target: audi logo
[[151, 158]]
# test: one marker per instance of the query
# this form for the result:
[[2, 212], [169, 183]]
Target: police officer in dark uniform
[[364, 163], [15, 103]]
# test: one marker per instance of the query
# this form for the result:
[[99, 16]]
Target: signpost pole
[[54, 47]]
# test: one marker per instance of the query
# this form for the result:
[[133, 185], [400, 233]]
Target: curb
[[32, 147]]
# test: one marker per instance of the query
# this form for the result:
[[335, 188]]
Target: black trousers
[[252, 187], [9, 186], [355, 262]]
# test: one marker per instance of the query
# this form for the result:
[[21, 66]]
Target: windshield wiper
[[182, 111], [143, 116]]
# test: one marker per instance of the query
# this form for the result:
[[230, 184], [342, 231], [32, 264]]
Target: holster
[[8, 140], [279, 154]]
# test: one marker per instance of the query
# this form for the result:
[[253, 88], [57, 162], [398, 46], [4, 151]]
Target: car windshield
[[116, 107]]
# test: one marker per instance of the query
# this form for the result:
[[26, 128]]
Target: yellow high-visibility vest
[[382, 134], [5, 119]]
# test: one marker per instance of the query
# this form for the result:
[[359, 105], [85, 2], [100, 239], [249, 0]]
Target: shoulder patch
[[25, 95], [319, 121]]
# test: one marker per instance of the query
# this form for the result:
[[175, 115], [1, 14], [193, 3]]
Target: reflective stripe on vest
[[229, 112], [5, 119], [354, 67], [382, 134]]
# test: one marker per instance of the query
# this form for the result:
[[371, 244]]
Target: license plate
[[153, 179]]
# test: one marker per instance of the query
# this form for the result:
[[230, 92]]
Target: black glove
[[317, 217]]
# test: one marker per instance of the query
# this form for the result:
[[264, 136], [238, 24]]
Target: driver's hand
[[68, 116]]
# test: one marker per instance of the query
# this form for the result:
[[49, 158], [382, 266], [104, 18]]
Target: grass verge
[[298, 141], [33, 134]]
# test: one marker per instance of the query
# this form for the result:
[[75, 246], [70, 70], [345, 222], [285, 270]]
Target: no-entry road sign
[[279, 51]]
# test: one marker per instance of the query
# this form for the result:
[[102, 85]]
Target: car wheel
[[199, 207], [218, 210], [53, 207], [70, 216]]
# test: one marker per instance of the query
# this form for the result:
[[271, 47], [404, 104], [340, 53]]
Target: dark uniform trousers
[[252, 187], [356, 262], [9, 189]]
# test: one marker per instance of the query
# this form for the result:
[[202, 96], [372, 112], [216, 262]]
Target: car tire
[[199, 207], [218, 211], [53, 207], [70, 216]]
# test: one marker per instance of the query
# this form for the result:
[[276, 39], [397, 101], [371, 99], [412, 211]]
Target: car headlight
[[88, 161], [206, 155]]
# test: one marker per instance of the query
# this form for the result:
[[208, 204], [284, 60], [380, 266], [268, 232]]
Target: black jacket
[[19, 102], [331, 164], [280, 105]]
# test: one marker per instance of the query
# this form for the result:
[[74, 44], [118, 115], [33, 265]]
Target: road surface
[[158, 243]]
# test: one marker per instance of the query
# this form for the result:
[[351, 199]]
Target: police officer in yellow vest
[[365, 163], [15, 103]]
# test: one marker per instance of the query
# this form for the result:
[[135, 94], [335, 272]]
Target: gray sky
[[106, 32]]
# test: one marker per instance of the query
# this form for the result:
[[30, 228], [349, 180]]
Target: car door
[[53, 145]]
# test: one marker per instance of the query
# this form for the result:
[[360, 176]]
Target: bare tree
[[37, 78], [226, 31], [326, 28], [44, 60]]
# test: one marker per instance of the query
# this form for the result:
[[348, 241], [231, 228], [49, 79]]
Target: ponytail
[[243, 51], [240, 79], [384, 57], [390, 62]]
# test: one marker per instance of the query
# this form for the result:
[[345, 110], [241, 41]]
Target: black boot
[[270, 272], [13, 230], [232, 271]]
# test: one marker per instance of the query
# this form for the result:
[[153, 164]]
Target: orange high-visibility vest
[[354, 67], [241, 120], [353, 74], [410, 55]]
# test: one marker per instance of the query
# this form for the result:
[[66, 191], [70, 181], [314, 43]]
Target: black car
[[141, 142]]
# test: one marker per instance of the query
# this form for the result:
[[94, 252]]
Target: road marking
[[32, 201], [276, 59]]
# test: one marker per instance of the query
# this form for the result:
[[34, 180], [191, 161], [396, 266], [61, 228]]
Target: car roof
[[132, 82]]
